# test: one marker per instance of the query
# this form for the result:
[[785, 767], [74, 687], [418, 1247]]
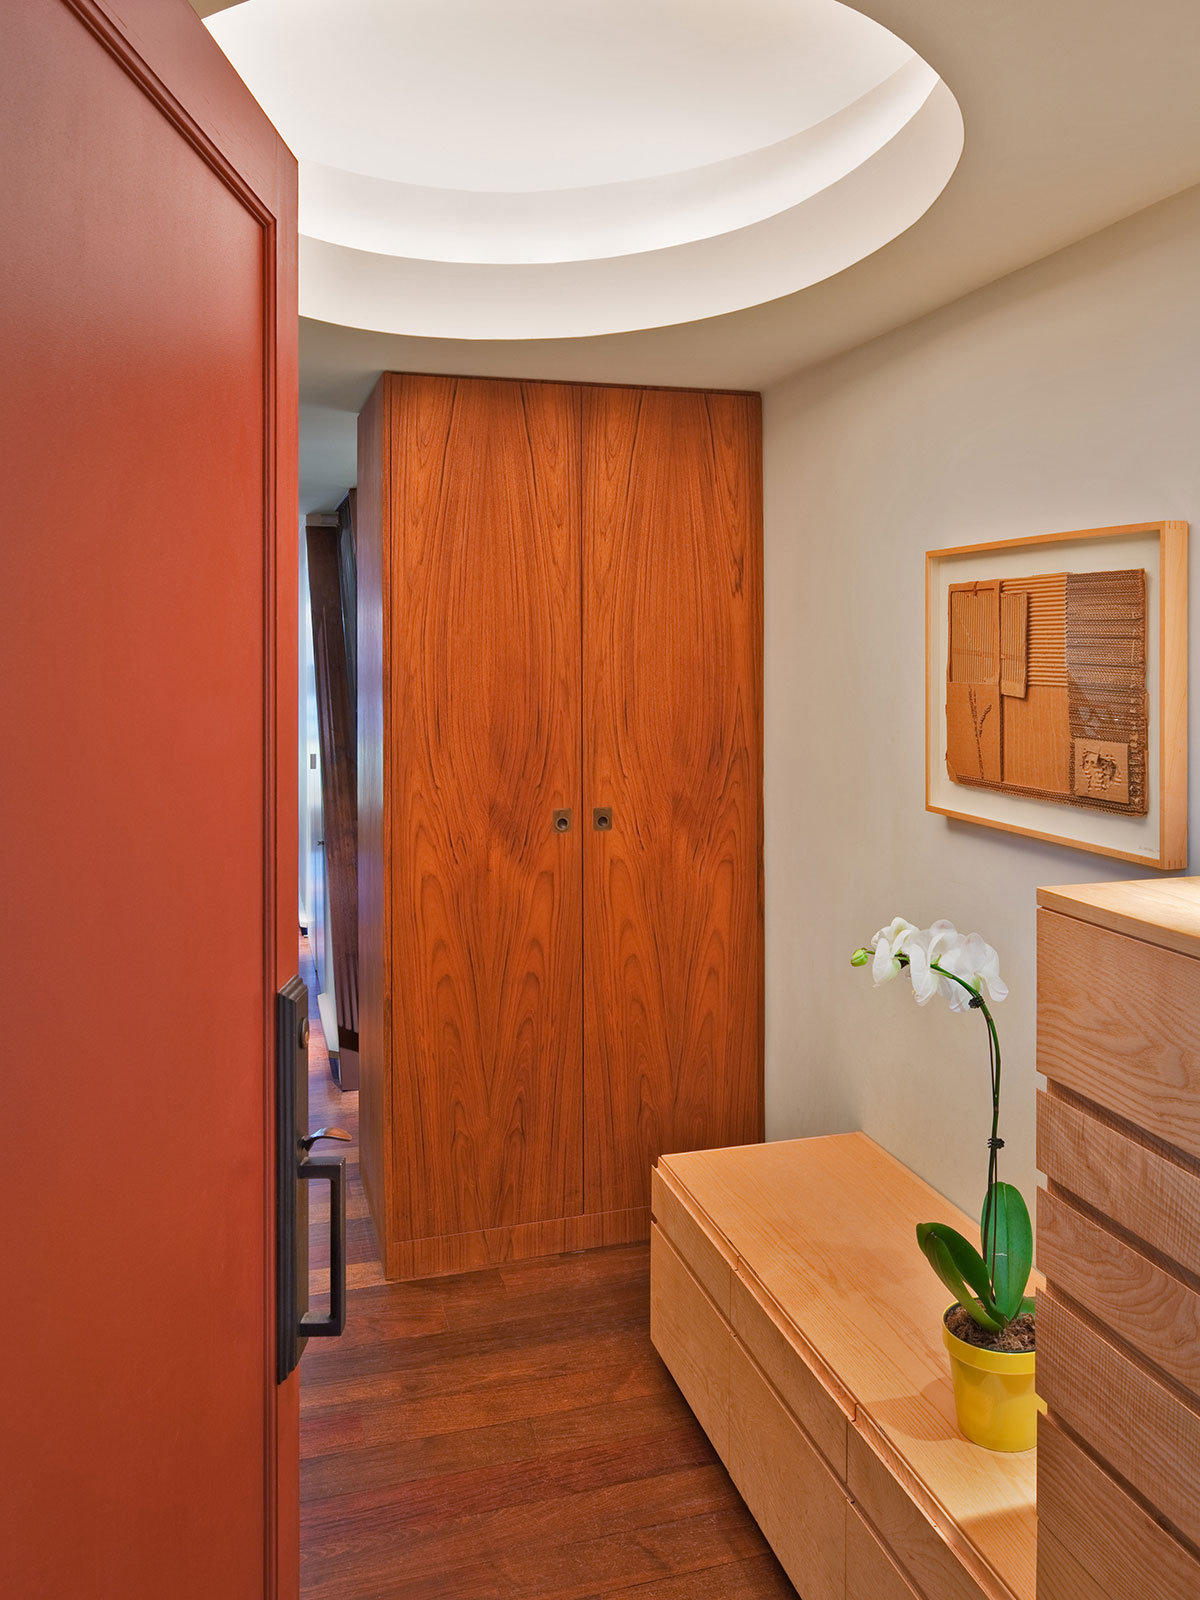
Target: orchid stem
[[978, 1003]]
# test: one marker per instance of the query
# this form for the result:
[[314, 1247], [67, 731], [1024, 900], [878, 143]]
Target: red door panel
[[147, 416]]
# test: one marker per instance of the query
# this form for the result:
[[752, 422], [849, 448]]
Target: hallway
[[505, 1435]]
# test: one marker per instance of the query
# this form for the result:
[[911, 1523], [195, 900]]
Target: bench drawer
[[871, 1572], [707, 1257], [794, 1497], [692, 1338], [760, 1326], [922, 1550]]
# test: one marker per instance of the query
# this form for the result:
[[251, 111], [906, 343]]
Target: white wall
[[1065, 396]]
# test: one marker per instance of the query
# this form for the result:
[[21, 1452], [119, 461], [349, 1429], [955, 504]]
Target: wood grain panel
[[1142, 1428], [693, 1340], [672, 678], [1150, 1308], [1143, 1189], [1127, 1554], [336, 725], [1119, 1023], [482, 747], [871, 1571], [489, 1247], [373, 549], [1059, 1575], [795, 1498]]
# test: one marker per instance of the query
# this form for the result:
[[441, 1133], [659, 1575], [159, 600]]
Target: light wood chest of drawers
[[790, 1302], [1118, 1238]]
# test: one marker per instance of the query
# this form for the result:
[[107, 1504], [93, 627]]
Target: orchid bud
[[860, 958]]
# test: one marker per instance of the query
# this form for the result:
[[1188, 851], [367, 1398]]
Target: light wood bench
[[794, 1310]]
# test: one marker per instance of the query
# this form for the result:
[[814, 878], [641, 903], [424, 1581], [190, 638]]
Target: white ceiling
[[548, 94], [540, 169], [1077, 113]]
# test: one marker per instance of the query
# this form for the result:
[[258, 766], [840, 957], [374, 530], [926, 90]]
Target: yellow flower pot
[[994, 1397]]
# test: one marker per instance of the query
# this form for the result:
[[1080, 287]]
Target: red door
[[147, 813]]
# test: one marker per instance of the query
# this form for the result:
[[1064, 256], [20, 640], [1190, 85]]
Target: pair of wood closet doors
[[560, 592]]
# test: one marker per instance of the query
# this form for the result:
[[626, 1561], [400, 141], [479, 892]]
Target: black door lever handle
[[310, 1139]]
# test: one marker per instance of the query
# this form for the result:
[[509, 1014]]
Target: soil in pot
[[1017, 1337]]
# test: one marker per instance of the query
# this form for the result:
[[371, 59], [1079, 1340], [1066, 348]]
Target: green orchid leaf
[[1028, 1306], [1006, 1234], [961, 1268]]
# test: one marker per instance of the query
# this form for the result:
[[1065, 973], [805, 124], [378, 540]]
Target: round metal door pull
[[602, 818], [562, 821]]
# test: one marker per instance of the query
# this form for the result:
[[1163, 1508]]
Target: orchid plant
[[990, 1284]]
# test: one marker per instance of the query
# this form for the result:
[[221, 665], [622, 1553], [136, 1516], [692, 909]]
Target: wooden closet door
[[672, 680], [485, 982]]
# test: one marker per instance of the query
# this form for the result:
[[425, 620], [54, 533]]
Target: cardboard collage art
[[1056, 676], [1046, 688]]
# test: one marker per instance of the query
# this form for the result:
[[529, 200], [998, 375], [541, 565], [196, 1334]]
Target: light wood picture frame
[[1012, 604]]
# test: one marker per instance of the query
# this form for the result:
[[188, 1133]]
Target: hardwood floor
[[505, 1435]]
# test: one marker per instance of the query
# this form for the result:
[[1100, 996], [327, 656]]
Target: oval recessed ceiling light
[[543, 169]]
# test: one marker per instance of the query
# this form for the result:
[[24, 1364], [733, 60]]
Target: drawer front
[[692, 1338], [1136, 1424], [791, 1493], [934, 1568], [1126, 1554], [1119, 1023], [756, 1323], [1147, 1193], [1059, 1575], [871, 1573], [708, 1257], [1150, 1308]]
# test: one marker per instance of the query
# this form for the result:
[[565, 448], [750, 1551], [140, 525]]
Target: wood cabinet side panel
[[1059, 1575], [1142, 1428], [1127, 1555], [1151, 1309], [672, 682], [1119, 1024], [1143, 1190]]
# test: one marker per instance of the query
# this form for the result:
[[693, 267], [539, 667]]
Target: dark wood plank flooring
[[505, 1435]]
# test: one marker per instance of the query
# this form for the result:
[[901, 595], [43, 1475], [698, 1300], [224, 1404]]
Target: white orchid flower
[[936, 944], [973, 959], [889, 944], [935, 957]]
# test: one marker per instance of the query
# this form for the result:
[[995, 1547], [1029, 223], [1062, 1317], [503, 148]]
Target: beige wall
[[1065, 396]]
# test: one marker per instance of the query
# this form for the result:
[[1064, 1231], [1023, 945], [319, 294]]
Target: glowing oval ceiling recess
[[553, 168]]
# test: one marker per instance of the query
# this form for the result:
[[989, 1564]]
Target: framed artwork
[[1056, 688]]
